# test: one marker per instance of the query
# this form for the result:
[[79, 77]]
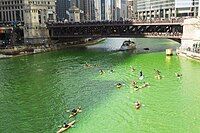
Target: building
[[115, 9], [166, 9], [106, 10], [186, 8], [31, 14], [88, 8], [103, 10], [131, 9], [153, 9], [124, 12], [62, 9], [74, 14], [190, 41], [97, 9]]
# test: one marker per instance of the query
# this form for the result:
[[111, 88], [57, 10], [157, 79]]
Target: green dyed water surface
[[36, 91]]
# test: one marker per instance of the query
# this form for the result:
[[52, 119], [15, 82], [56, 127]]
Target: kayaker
[[141, 76], [137, 104], [145, 85], [65, 125], [101, 71], [141, 73], [111, 70], [178, 75], [157, 72], [74, 110], [134, 83], [132, 69], [119, 85]]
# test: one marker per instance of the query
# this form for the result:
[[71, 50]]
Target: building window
[[7, 17], [0, 17], [18, 18], [13, 13], [10, 15], [4, 16], [22, 15], [50, 16]]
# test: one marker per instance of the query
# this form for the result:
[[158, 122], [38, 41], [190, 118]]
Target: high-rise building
[[132, 9], [33, 15], [103, 10], [186, 7], [97, 8], [62, 8], [87, 9], [115, 9], [106, 10], [124, 7], [166, 9]]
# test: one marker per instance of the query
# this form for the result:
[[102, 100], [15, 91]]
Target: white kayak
[[141, 77], [65, 128], [74, 114]]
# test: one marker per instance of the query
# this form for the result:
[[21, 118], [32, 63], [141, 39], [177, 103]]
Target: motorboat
[[128, 45]]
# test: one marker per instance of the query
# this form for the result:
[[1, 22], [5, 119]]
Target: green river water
[[37, 90]]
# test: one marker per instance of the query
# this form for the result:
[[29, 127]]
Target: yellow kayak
[[65, 128]]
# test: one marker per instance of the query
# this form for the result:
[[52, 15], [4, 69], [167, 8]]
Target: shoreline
[[23, 50], [188, 54]]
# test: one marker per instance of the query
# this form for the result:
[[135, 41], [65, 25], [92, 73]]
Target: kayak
[[141, 77], [74, 114], [65, 128]]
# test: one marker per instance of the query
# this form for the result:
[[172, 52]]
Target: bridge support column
[[155, 14], [138, 15], [146, 15], [195, 12], [150, 14], [170, 13], [175, 14], [164, 13], [142, 14]]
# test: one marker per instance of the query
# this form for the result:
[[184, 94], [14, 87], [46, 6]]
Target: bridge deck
[[167, 29]]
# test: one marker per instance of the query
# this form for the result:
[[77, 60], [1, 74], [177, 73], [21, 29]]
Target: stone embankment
[[188, 54], [34, 49]]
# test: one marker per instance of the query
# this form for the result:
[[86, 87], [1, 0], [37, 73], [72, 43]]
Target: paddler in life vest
[[76, 110], [101, 72], [119, 85], [137, 104], [141, 76], [65, 125]]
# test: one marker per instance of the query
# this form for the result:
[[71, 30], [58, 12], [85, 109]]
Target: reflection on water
[[36, 91], [153, 45]]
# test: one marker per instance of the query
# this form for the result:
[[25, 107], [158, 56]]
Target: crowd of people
[[130, 21]]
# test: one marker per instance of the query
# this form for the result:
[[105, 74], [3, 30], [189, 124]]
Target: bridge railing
[[177, 20]]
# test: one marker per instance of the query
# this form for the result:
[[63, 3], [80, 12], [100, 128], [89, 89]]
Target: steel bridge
[[137, 29]]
